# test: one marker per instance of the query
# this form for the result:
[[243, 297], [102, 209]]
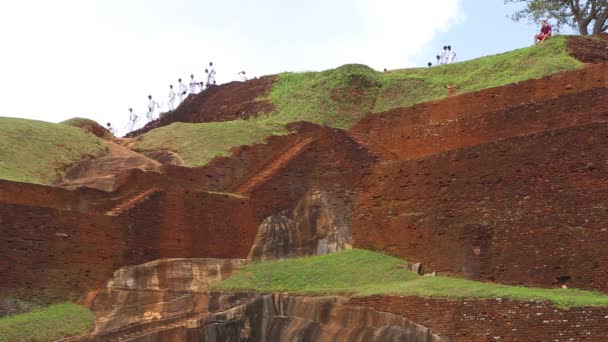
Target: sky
[[97, 58]]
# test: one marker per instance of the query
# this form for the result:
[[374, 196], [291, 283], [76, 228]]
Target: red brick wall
[[490, 114], [39, 259], [496, 320], [518, 211]]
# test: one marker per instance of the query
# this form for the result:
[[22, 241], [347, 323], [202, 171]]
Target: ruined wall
[[57, 253], [496, 320], [529, 210], [81, 200], [566, 99]]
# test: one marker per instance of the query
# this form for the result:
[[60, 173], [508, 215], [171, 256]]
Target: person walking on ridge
[[193, 85], [111, 129], [182, 90], [171, 102], [545, 32], [132, 120], [451, 55], [152, 106], [211, 77], [444, 56], [243, 76]]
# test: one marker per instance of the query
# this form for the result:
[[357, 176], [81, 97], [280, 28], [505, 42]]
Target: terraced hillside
[[336, 98], [483, 211]]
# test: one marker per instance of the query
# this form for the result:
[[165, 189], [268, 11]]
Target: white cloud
[[96, 58]]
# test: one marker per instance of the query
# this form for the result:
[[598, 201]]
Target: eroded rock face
[[280, 317], [316, 226], [169, 300], [157, 291]]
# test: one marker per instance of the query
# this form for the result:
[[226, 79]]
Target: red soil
[[236, 100]]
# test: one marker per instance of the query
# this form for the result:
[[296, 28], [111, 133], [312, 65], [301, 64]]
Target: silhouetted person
[[451, 55], [438, 60], [193, 85], [171, 102], [182, 90], [111, 129], [430, 64], [132, 120], [152, 106], [211, 77], [444, 56], [207, 77]]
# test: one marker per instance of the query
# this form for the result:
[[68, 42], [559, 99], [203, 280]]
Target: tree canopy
[[586, 16]]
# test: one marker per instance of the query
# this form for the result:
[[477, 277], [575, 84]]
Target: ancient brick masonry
[[561, 100], [496, 319], [528, 210], [59, 253], [170, 215], [505, 184]]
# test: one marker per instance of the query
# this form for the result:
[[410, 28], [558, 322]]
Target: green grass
[[197, 144], [364, 273], [49, 324], [38, 152], [341, 97], [403, 88]]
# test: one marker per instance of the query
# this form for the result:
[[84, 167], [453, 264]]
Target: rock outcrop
[[316, 226], [169, 300]]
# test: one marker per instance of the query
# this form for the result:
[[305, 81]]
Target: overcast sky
[[96, 58]]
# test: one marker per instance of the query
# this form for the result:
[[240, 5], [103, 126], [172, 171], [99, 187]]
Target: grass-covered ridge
[[343, 96], [38, 152], [403, 88], [49, 324], [363, 273], [197, 144]]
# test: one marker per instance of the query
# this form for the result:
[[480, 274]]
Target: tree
[[578, 14]]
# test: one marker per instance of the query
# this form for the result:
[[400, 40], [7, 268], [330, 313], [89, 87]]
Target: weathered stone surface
[[280, 317], [140, 296], [316, 226]]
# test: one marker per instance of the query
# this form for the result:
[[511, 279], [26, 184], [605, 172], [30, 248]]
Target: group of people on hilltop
[[175, 97], [447, 56]]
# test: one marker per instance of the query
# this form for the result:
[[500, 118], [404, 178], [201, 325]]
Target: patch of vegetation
[[38, 152], [90, 126], [337, 98], [363, 273], [197, 144], [404, 88], [48, 324]]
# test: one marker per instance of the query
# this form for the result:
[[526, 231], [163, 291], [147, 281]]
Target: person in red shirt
[[545, 32]]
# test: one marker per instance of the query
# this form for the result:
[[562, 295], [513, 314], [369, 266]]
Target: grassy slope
[[362, 273], [197, 144], [342, 96], [403, 88], [37, 152], [49, 324]]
